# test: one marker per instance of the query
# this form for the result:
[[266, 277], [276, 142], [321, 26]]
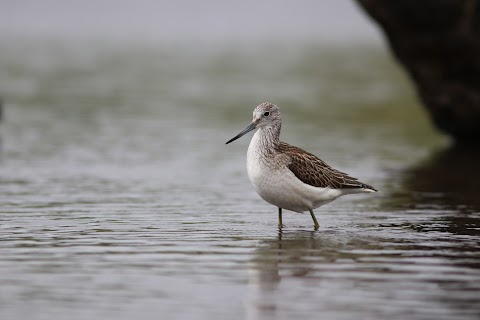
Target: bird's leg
[[280, 224], [315, 222]]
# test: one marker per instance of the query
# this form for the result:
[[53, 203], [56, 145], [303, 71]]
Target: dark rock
[[438, 42]]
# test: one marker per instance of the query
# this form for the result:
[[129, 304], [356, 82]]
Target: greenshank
[[289, 177]]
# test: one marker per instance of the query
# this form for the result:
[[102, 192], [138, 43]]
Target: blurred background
[[119, 198]]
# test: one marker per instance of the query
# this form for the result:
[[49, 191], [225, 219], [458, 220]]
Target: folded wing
[[315, 172]]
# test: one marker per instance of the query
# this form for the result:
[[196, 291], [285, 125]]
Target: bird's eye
[[266, 114]]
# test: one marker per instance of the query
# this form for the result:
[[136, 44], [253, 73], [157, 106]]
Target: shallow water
[[119, 198]]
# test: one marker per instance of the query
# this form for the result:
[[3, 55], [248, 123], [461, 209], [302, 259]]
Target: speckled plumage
[[315, 172], [289, 177]]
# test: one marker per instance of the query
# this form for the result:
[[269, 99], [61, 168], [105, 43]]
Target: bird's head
[[265, 115]]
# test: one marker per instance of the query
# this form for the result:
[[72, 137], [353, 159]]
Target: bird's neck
[[269, 137]]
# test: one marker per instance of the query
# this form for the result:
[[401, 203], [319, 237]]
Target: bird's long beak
[[249, 128]]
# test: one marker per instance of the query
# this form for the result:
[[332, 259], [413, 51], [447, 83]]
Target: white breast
[[255, 164], [276, 184]]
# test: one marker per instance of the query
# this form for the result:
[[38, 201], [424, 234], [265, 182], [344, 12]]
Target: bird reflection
[[265, 271], [295, 255]]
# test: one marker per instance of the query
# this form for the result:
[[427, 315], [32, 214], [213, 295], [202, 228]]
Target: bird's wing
[[315, 172]]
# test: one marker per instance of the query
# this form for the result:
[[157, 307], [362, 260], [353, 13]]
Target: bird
[[289, 177]]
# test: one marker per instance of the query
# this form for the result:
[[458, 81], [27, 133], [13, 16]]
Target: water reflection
[[345, 272], [443, 187], [450, 178], [299, 258]]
